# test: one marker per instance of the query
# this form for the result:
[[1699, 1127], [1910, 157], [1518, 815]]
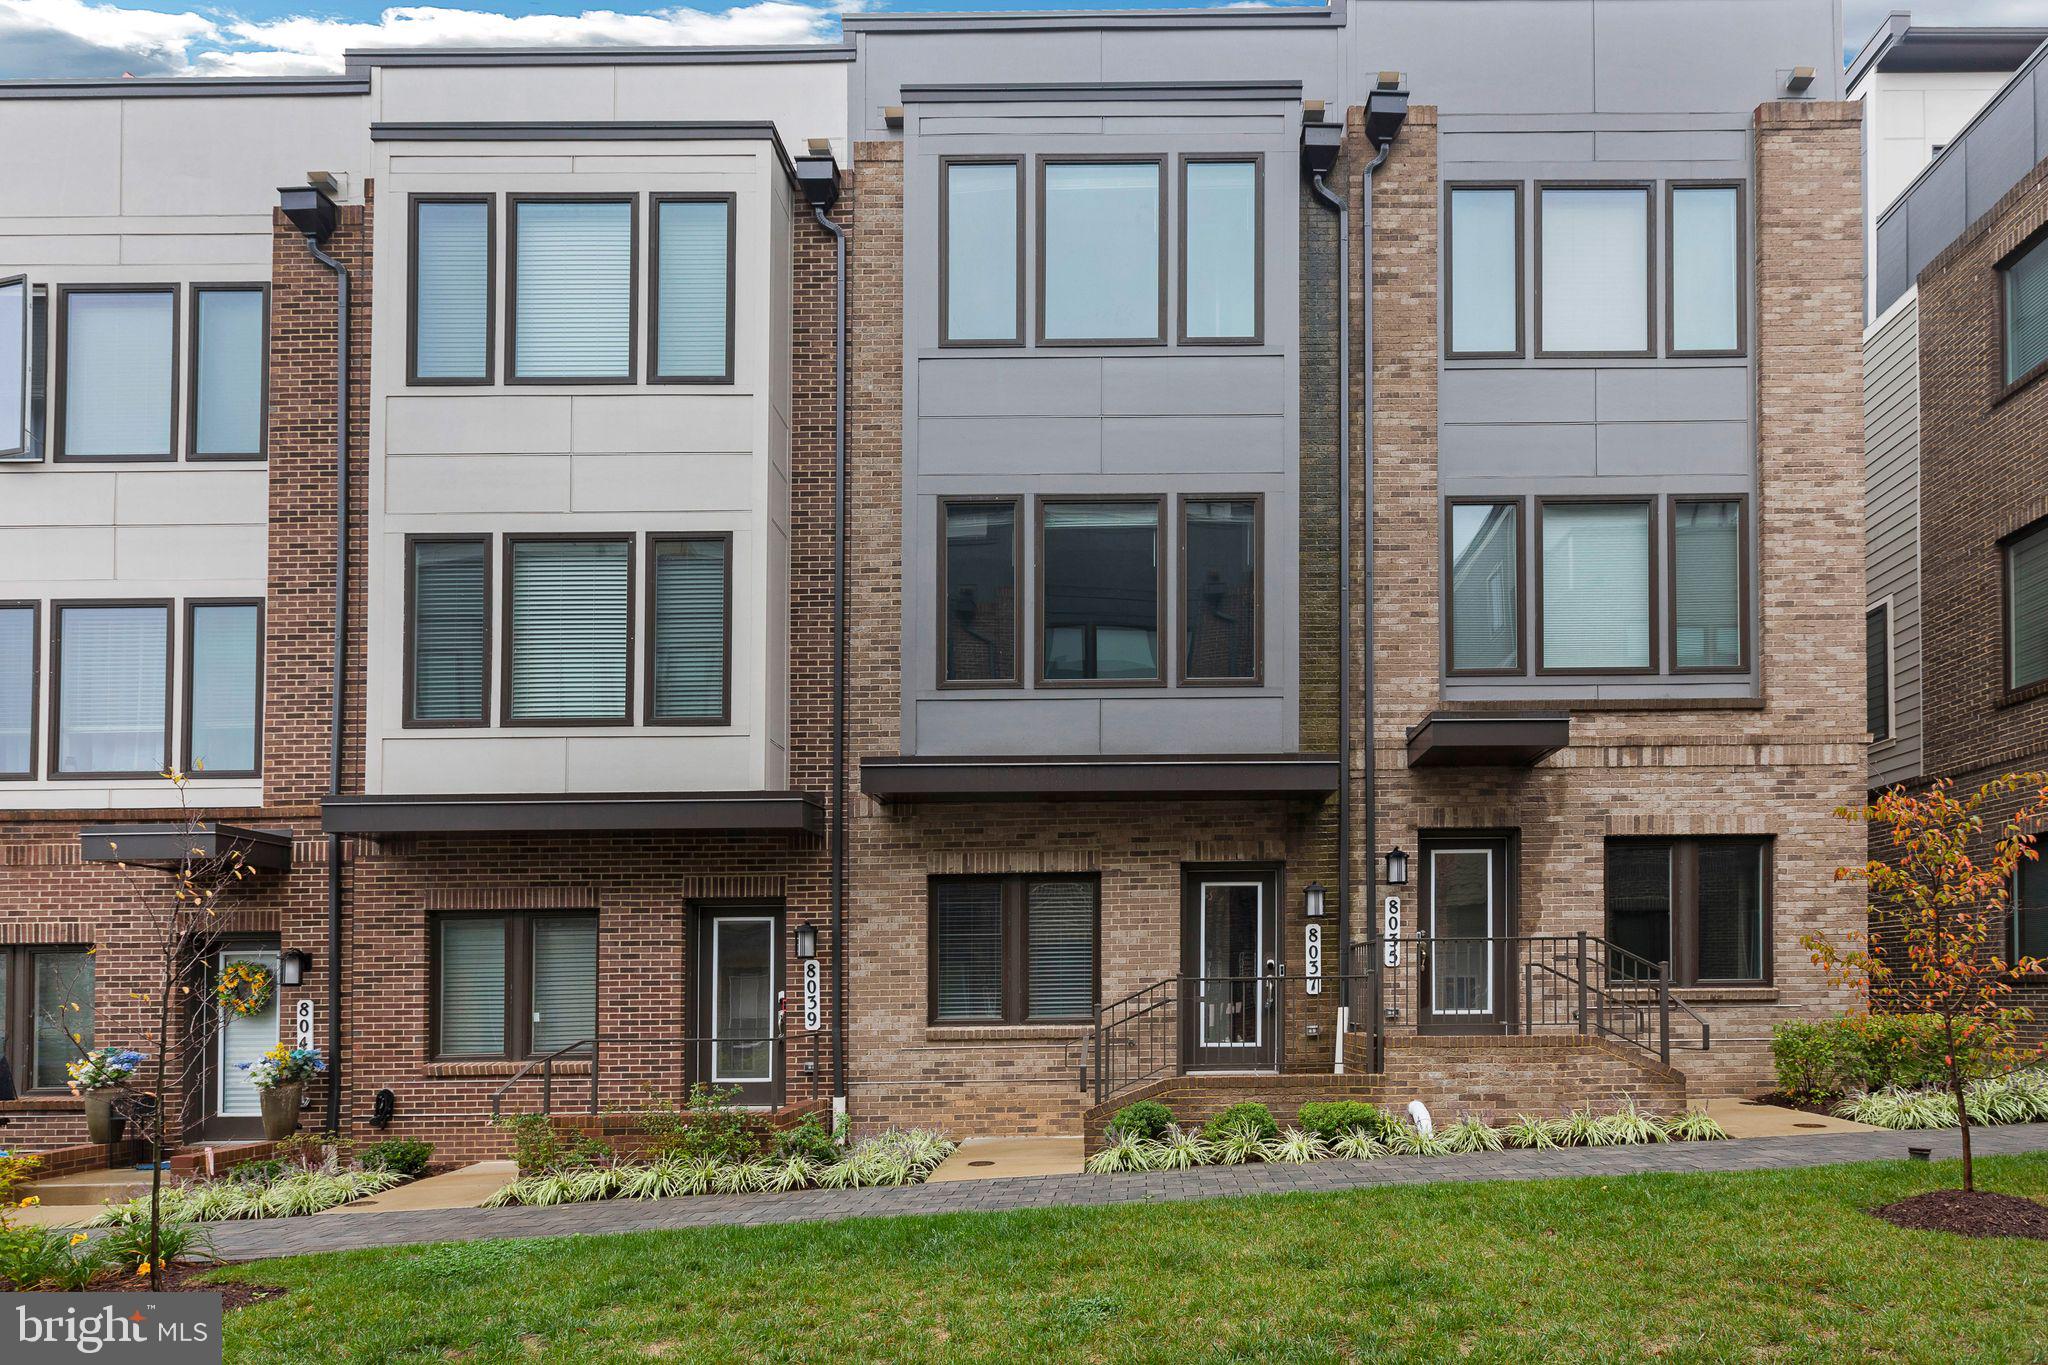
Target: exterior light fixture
[[291, 966], [1312, 900], [1397, 867], [807, 941]]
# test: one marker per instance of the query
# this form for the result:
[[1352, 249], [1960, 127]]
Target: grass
[[1778, 1264]]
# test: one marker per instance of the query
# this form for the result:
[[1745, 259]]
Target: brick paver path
[[343, 1232]]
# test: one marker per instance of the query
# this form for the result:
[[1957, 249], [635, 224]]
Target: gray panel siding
[[1891, 414]]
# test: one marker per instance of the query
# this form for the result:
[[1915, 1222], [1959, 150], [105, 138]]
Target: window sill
[[1005, 1033], [55, 1103], [490, 1067], [1726, 995]]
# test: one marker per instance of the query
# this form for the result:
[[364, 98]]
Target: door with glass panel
[[241, 1038], [1464, 921], [738, 979], [1230, 956]]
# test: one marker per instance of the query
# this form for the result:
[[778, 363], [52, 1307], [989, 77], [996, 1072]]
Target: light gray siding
[[1891, 444]]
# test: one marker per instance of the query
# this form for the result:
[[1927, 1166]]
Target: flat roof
[[1447, 739], [168, 844]]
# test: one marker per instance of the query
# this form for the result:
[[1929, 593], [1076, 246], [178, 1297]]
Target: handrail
[[547, 1077], [590, 1048]]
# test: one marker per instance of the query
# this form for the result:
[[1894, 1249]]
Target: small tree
[[1938, 908]]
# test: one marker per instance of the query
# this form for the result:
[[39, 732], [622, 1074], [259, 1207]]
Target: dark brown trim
[[946, 164], [2009, 692], [1671, 191], [703, 989], [413, 378], [732, 218], [1521, 595], [650, 716], [1017, 514], [1158, 163], [2002, 386], [28, 298], [508, 634], [1648, 503], [1648, 191], [192, 451], [1015, 964], [1503, 847], [1257, 161], [1451, 740], [513, 203], [1742, 587], [1125, 777], [409, 718], [1514, 187], [1161, 617], [518, 978], [192, 604], [617, 812], [35, 683], [1258, 673], [57, 609], [18, 1023], [167, 845], [1684, 903], [60, 343]]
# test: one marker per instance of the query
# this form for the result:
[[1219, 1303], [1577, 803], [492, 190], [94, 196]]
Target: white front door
[[243, 1038]]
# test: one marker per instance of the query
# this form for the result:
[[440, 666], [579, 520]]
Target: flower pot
[[103, 1123], [281, 1110]]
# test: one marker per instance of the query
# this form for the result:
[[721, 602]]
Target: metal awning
[[1448, 740], [523, 813], [168, 845], [1100, 778]]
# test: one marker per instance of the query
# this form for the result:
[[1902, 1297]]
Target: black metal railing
[[1196, 1023], [703, 1058]]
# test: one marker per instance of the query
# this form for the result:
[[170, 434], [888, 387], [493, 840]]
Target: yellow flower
[[142, 1270], [78, 1237], [32, 1201]]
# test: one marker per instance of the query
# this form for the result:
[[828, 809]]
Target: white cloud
[[1860, 18]]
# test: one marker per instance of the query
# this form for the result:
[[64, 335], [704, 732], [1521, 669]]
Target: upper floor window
[[1102, 251], [1220, 590], [981, 251], [1593, 270], [2023, 282], [1483, 271], [690, 622], [1877, 672], [1222, 272], [571, 307], [447, 630], [1483, 587], [1701, 905], [46, 1012], [449, 340], [568, 630], [18, 689], [979, 621], [2026, 607], [1013, 950], [230, 335], [223, 687], [112, 689], [1707, 574], [117, 360], [1101, 595], [691, 337], [1595, 590], [14, 366], [1704, 273]]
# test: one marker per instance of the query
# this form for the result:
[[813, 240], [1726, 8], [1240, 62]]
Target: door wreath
[[245, 988]]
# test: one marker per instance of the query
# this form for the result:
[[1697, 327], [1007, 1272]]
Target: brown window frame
[[185, 671], [1521, 602], [17, 967], [1018, 611], [413, 378], [506, 634], [1257, 161], [169, 607], [1015, 969], [2002, 386], [2015, 907], [518, 979], [409, 718], [1672, 188], [513, 202], [656, 539], [1683, 909], [35, 683], [2010, 692], [1742, 587], [1648, 189], [732, 219], [1157, 161], [1519, 350], [1257, 677], [946, 165], [193, 454], [1162, 615], [60, 344], [1648, 502]]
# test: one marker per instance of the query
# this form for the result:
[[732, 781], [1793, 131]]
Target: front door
[[739, 959], [1465, 922], [232, 1102], [1230, 956]]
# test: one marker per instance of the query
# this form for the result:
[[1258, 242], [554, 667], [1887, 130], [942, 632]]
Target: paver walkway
[[293, 1236]]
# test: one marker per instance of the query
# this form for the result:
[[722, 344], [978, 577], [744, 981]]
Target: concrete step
[[90, 1187]]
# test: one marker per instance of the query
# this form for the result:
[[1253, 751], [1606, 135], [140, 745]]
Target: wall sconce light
[[291, 966], [1312, 900], [807, 940], [1397, 867]]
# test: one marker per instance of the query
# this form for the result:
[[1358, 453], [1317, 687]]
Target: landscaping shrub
[[260, 1172], [400, 1156], [127, 1245], [49, 1259], [538, 1146], [1145, 1119], [807, 1140], [706, 1126], [1819, 1059], [891, 1158], [1249, 1117], [1332, 1119]]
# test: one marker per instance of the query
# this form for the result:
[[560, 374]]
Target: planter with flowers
[[100, 1078], [280, 1077]]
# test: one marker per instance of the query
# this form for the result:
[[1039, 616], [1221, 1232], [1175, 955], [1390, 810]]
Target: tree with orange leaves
[[1937, 912]]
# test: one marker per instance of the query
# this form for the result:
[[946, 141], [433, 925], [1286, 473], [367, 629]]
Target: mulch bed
[[1982, 1214], [1803, 1103], [185, 1276]]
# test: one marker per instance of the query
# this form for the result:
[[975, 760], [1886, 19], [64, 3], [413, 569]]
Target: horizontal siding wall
[[1891, 414]]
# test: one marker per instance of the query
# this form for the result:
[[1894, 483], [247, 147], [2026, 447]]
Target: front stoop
[[1484, 1076]]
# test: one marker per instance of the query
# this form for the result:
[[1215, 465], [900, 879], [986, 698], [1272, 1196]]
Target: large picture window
[[979, 625], [1101, 252], [568, 630], [46, 1013], [689, 630], [117, 364], [18, 667], [1100, 592], [513, 986], [1221, 242], [1702, 905], [1483, 271], [1705, 272], [1013, 950], [112, 690], [223, 687], [2023, 292], [1595, 587], [1707, 577], [571, 309], [1483, 587], [981, 252], [691, 339], [230, 330], [1593, 270], [2026, 608], [448, 630], [1220, 547], [451, 295]]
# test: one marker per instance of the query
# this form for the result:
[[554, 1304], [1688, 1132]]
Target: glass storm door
[[737, 1005], [242, 1038], [1464, 919], [1230, 947]]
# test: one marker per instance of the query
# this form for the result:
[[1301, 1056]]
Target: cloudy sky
[[268, 37]]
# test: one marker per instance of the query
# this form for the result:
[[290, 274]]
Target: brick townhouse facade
[[1351, 582]]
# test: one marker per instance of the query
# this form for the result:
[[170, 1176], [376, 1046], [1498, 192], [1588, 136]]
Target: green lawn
[[1711, 1267]]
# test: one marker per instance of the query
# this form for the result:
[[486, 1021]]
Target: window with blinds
[[1220, 586], [568, 617], [1706, 585], [2029, 934], [1060, 944], [1706, 269], [1013, 949], [1595, 594], [1101, 271], [564, 981], [2025, 285], [967, 950], [223, 681], [62, 979], [1220, 250], [1483, 265], [14, 353], [572, 289], [1101, 604], [17, 690], [451, 290], [978, 584], [1593, 275], [1877, 672], [113, 690], [1701, 905], [470, 1001], [228, 327], [689, 666], [448, 594], [693, 268], [115, 382], [981, 252], [2026, 592], [1484, 565]]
